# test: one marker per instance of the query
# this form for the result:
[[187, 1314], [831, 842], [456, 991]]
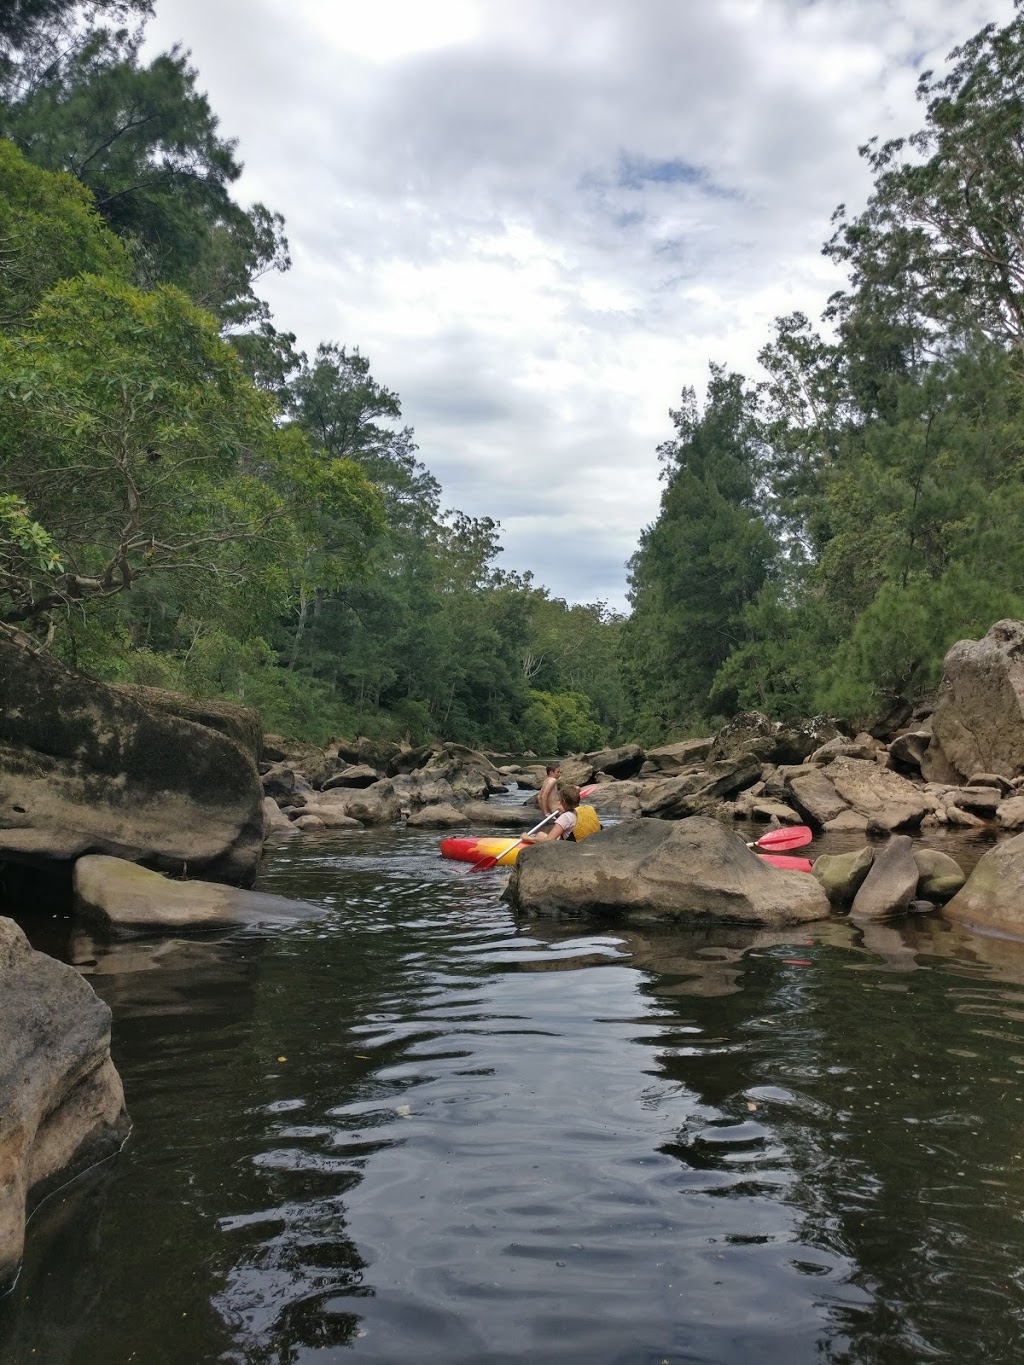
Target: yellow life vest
[[587, 823]]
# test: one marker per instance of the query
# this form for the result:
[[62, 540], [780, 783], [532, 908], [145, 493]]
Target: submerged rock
[[61, 1102], [650, 870], [124, 898]]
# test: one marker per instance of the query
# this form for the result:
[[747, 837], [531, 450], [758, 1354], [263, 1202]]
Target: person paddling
[[564, 824], [548, 798]]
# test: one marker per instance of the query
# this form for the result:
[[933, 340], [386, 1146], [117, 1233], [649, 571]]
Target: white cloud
[[541, 220]]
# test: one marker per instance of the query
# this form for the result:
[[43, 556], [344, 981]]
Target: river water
[[417, 1131]]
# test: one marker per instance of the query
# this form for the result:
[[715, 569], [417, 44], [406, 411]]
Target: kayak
[[464, 850], [473, 850]]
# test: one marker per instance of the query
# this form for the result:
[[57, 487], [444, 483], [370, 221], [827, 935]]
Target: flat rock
[[670, 759], [815, 797], [330, 817], [940, 877], [891, 884], [983, 801], [442, 816], [123, 898], [645, 871], [993, 895], [842, 874], [870, 789], [847, 822], [500, 815], [61, 1101]]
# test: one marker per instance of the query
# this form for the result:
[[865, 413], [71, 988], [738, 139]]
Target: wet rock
[[123, 898], [357, 775], [623, 762], [847, 822], [274, 817], [1010, 814], [670, 759], [815, 797], [979, 711], [940, 877], [993, 895], [328, 816], [891, 883], [307, 820], [841, 875], [878, 793], [442, 816], [87, 768], [646, 871], [61, 1100]]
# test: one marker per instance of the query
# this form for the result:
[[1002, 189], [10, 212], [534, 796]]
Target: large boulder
[[61, 1101], [878, 793], [993, 895], [617, 800], [576, 770], [88, 769], [670, 759], [1010, 815], [624, 762], [979, 712], [240, 723], [123, 898], [471, 774], [418, 789], [815, 797], [891, 883], [645, 871], [842, 874], [751, 732], [940, 877], [315, 764], [674, 798]]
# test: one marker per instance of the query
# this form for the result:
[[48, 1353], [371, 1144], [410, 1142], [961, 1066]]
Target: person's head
[[552, 770], [569, 795]]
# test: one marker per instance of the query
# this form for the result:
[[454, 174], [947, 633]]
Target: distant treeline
[[189, 501]]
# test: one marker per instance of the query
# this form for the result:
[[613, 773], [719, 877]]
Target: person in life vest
[[575, 822]]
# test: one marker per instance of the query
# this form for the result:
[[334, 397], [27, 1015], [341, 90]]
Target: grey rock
[[442, 816], [891, 883], [623, 762], [842, 874], [1010, 815], [979, 711], [815, 797], [940, 877], [993, 895]]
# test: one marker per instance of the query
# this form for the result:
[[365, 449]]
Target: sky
[[541, 220]]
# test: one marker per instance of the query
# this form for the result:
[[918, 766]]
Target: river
[[417, 1131]]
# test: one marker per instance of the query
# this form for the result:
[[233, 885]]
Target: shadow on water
[[417, 1131]]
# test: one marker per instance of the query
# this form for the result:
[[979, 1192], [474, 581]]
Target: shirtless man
[[548, 799]]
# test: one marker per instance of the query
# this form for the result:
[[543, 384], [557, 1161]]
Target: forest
[[188, 500]]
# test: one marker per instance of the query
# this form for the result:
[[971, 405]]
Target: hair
[[552, 768], [569, 794]]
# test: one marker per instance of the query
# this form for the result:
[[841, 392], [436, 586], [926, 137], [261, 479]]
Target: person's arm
[[545, 836]]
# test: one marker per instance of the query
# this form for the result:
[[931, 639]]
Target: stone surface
[[815, 797], [847, 822], [670, 759], [376, 805], [123, 898], [61, 1101], [422, 789], [1010, 815], [329, 816], [877, 792], [500, 815], [240, 723], [645, 871], [1003, 784], [983, 801], [86, 768], [623, 762], [356, 775], [751, 732], [274, 817], [935, 766], [309, 820], [442, 816], [940, 877], [909, 749], [842, 874], [891, 884], [577, 770], [993, 895], [619, 800], [979, 711]]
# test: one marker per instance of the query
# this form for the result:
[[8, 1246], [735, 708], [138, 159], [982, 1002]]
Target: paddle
[[485, 864], [778, 839]]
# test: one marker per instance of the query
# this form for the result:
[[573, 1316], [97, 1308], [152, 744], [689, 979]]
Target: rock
[[617, 800], [623, 762], [376, 805], [750, 732], [470, 773], [123, 898], [274, 817], [443, 816], [646, 871], [240, 723], [940, 877], [673, 798], [313, 763], [891, 883], [772, 811], [993, 895], [307, 820], [877, 792], [328, 817], [670, 759], [981, 801], [421, 789], [961, 819], [1010, 815], [907, 750], [528, 782], [840, 747], [501, 816], [842, 874], [847, 822], [1002, 784], [61, 1100], [979, 711], [85, 768], [358, 775], [815, 797], [935, 766], [380, 754], [287, 787]]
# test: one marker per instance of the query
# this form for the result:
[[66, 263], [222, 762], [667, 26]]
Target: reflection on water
[[415, 1131]]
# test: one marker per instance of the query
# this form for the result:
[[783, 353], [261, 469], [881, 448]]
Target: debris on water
[[404, 1111]]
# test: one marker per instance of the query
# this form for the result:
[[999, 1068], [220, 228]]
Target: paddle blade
[[777, 839], [485, 864]]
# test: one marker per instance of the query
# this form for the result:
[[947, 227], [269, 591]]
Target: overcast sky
[[540, 219]]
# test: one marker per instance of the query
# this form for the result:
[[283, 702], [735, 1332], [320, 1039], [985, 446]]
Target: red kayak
[[789, 864]]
